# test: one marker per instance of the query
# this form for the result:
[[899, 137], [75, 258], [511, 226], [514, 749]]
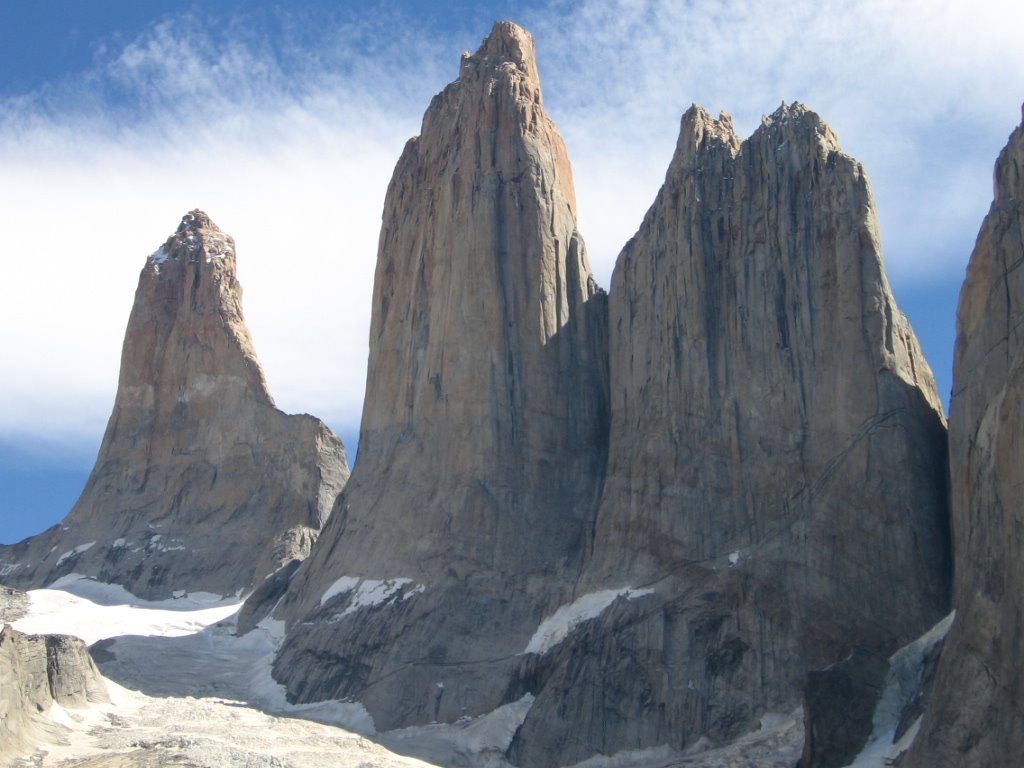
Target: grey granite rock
[[839, 705], [776, 473]]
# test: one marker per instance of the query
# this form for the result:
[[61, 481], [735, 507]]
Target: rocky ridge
[[485, 420], [200, 484], [974, 716]]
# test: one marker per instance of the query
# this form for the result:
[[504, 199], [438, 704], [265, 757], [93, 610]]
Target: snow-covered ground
[[186, 691]]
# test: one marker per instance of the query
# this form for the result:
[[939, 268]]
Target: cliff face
[[200, 482], [776, 484], [484, 427], [975, 718]]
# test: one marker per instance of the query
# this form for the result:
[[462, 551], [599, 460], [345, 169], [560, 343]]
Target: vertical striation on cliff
[[776, 485], [975, 716], [484, 427], [200, 483]]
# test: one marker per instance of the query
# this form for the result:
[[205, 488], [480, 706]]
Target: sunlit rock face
[[200, 484], [974, 716], [484, 427], [776, 477]]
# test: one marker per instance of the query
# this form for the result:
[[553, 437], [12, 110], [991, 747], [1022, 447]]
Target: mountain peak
[[195, 453], [509, 48], [197, 239]]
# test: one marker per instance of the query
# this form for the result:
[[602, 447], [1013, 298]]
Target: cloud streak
[[288, 141]]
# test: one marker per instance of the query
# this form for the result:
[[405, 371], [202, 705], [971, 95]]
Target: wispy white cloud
[[288, 143], [291, 156]]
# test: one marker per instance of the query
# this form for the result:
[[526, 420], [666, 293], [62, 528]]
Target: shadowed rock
[[974, 717]]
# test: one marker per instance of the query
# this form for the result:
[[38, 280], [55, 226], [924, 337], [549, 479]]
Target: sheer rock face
[[35, 672], [485, 421], [200, 484], [975, 716], [776, 471]]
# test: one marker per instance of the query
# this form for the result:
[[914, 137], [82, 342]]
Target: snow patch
[[114, 612], [470, 737], [118, 543], [559, 625], [159, 256], [72, 552], [734, 558], [366, 593], [344, 584]]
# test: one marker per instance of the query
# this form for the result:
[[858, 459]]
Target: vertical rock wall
[[776, 485], [975, 716], [484, 427]]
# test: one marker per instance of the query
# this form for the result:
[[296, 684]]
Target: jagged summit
[[200, 482], [508, 48], [196, 237]]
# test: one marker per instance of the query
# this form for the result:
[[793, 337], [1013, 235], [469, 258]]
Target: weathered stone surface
[[36, 671], [839, 704], [13, 604], [200, 482], [485, 421], [776, 471], [975, 716]]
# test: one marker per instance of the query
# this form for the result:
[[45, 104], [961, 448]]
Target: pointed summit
[[484, 425], [200, 484], [508, 49]]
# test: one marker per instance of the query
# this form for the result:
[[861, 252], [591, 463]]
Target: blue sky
[[284, 121]]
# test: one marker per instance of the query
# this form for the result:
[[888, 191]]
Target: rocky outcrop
[[975, 716], [485, 420], [200, 482], [37, 671], [13, 604], [776, 484]]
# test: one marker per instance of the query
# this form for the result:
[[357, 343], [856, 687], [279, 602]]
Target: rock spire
[[485, 421], [200, 484], [776, 484], [975, 717]]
